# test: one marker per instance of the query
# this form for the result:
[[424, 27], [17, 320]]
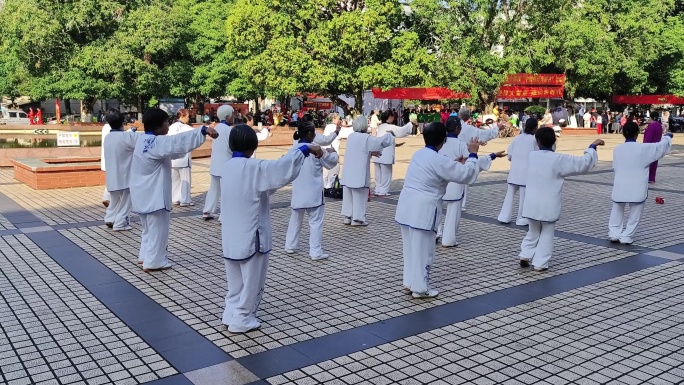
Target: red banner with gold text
[[516, 92], [535, 80]]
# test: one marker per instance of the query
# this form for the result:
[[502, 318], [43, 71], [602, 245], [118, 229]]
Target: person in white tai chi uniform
[[420, 204], [220, 154], [118, 149], [356, 177], [334, 126], [151, 183], [181, 169], [544, 183], [455, 149], [307, 196], [519, 154], [105, 195], [631, 161], [246, 184], [468, 132], [383, 163]]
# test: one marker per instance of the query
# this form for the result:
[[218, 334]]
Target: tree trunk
[[67, 107], [87, 110], [487, 102], [358, 101]]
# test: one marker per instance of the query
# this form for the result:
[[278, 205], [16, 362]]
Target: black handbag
[[335, 191]]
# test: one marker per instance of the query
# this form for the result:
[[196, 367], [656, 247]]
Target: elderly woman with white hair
[[356, 177]]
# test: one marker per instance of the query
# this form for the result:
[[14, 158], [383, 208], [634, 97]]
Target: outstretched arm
[[655, 151]]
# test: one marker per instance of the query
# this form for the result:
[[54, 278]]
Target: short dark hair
[[115, 119], [654, 115], [385, 115], [546, 137], [434, 134], [303, 130], [630, 130], [154, 118], [453, 125], [242, 139], [531, 125]]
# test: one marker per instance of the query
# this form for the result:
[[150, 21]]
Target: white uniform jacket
[[630, 162], [220, 150], [388, 154], [357, 157], [118, 149], [246, 184], [322, 140], [151, 168], [545, 178], [330, 130], [105, 131], [184, 161], [519, 154], [420, 201], [455, 149], [468, 132], [307, 189]]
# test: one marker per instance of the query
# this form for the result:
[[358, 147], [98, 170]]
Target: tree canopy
[[136, 50]]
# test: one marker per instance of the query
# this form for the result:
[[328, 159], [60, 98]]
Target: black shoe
[[524, 263]]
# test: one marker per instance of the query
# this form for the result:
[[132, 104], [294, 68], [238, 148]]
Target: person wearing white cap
[[220, 154], [468, 132], [356, 176]]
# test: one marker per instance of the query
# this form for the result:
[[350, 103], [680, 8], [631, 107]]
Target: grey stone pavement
[[76, 309]]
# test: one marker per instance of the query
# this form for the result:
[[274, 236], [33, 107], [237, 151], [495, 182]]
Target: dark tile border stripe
[[302, 354], [177, 379], [173, 339], [10, 232]]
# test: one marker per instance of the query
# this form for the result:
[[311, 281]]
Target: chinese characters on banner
[[517, 92], [535, 80], [68, 139]]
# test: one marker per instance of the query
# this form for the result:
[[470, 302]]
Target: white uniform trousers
[[354, 203], [616, 222], [329, 176], [155, 239], [110, 212], [316, 215], [106, 196], [211, 201], [537, 245], [383, 178], [465, 195], [181, 184], [246, 281], [419, 254], [120, 207], [507, 207], [449, 230]]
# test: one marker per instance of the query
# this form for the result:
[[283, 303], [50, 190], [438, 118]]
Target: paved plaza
[[75, 308]]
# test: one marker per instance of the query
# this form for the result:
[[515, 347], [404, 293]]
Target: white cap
[[224, 112]]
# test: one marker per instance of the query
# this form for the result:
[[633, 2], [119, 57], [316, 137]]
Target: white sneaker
[[176, 203], [322, 256], [432, 293], [359, 223], [626, 241], [347, 221], [522, 223], [127, 228], [186, 204], [288, 251], [207, 216]]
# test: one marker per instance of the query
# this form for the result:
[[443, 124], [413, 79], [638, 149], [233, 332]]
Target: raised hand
[[500, 154], [316, 150], [474, 146], [599, 142], [212, 132], [461, 160]]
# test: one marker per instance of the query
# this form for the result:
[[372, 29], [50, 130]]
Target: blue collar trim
[[545, 149], [452, 136], [149, 133], [433, 148], [238, 154], [630, 140], [224, 122]]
